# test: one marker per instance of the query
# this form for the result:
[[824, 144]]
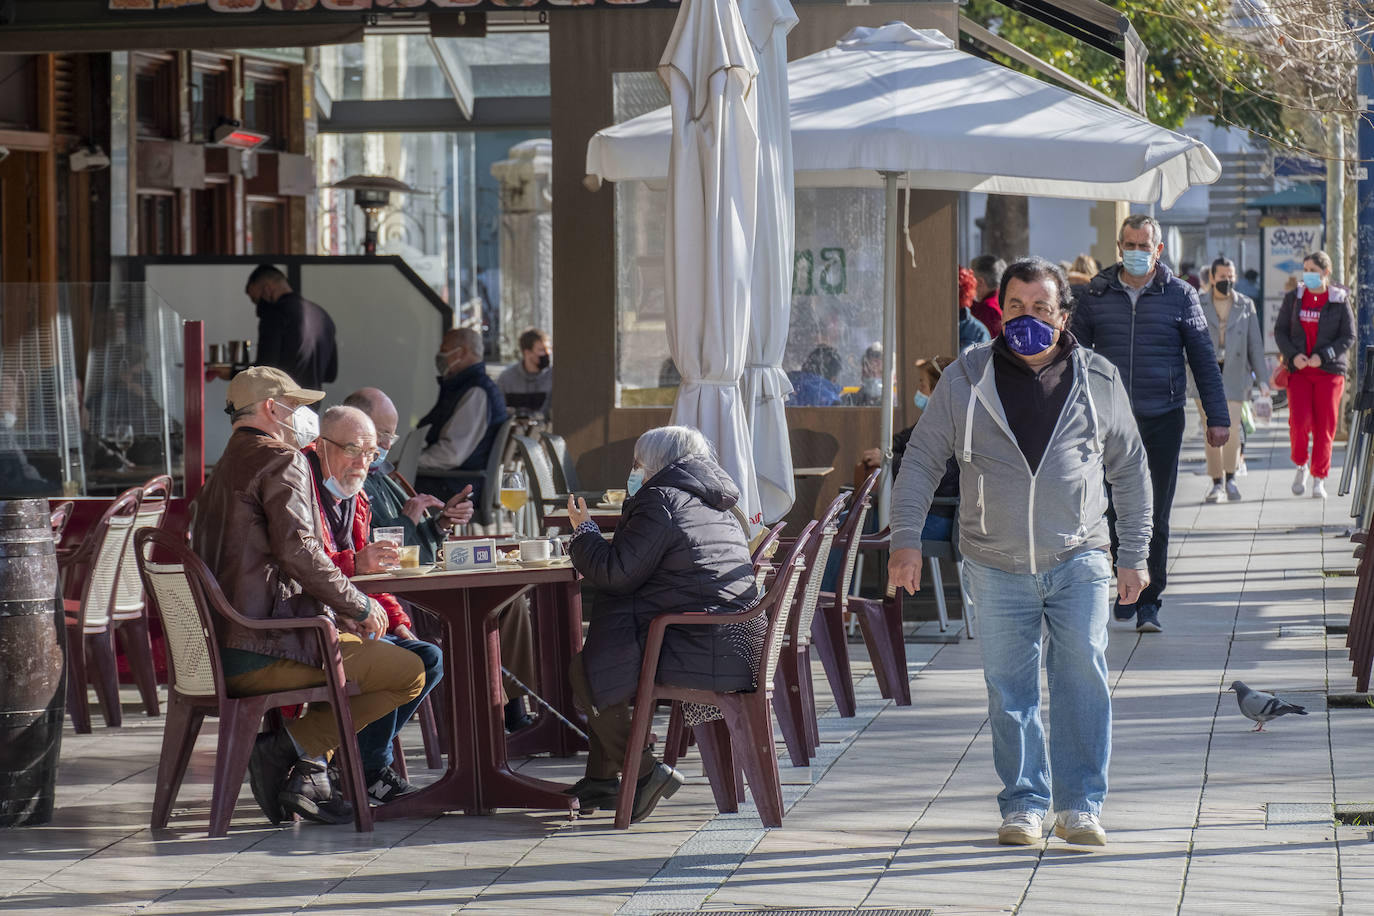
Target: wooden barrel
[[32, 636]]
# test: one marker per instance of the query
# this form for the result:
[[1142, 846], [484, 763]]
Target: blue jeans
[[374, 741], [1072, 600]]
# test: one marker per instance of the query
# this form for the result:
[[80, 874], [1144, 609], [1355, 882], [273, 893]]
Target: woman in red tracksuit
[[1314, 330]]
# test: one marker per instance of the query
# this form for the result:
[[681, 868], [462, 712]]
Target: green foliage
[[1193, 67]]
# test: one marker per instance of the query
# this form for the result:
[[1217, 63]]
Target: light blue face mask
[[379, 460], [1137, 263], [1312, 280], [921, 399], [332, 486], [635, 481]]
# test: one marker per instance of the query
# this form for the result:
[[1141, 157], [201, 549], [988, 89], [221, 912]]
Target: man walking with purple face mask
[[1038, 424]]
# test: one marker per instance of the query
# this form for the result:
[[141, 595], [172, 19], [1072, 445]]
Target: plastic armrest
[[451, 474]]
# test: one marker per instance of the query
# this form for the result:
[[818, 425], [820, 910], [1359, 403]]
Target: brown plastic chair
[[744, 738], [880, 621], [130, 615], [93, 569], [827, 630], [794, 700], [190, 601], [60, 514]]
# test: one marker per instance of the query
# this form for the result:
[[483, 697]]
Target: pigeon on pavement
[[1261, 706]]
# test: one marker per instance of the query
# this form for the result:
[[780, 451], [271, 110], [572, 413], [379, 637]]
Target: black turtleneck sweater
[[1033, 399]]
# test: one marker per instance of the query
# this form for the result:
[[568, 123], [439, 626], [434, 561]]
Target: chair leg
[[808, 699], [881, 623], [179, 734], [429, 733], [787, 706], [351, 764], [639, 737], [101, 648], [398, 758], [937, 584], [138, 649], [751, 735], [713, 741], [239, 720], [828, 639], [78, 700], [675, 743]]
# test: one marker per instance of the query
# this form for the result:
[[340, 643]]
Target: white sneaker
[[1081, 828], [1318, 488], [1241, 469], [1232, 492], [1020, 828], [1214, 494], [1300, 481]]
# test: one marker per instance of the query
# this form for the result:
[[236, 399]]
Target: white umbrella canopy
[[712, 167], [898, 99], [765, 385]]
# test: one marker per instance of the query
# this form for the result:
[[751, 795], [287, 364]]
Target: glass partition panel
[[62, 436]]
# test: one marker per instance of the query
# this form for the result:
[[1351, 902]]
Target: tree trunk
[[1006, 227]]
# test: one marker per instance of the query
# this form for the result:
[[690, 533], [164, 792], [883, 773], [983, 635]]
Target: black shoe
[[387, 785], [1147, 619], [309, 793], [592, 793], [661, 782], [1124, 611], [516, 717], [268, 766]]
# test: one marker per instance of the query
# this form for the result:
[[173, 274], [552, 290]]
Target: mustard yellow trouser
[[387, 676], [1227, 458]]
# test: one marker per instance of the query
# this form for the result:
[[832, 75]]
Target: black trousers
[[1163, 439]]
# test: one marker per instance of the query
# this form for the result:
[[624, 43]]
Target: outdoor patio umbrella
[[895, 104], [712, 169], [764, 386]]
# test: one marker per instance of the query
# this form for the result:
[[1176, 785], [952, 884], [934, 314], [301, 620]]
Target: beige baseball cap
[[262, 382]]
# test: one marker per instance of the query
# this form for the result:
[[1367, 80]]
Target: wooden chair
[[93, 570], [130, 616], [948, 551], [745, 734], [60, 514], [190, 601], [827, 630], [794, 700]]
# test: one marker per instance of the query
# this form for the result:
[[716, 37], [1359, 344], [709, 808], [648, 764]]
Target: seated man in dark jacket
[[677, 548]]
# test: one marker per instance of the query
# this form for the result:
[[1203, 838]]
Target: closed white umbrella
[[713, 164], [765, 386]]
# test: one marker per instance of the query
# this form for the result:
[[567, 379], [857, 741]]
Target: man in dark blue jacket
[[1148, 322]]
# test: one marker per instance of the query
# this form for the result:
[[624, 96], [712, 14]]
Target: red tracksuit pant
[[1314, 396]]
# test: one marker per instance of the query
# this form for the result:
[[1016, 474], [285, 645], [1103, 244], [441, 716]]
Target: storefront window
[[837, 282]]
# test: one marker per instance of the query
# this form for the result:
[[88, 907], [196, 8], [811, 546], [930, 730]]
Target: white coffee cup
[[534, 550], [469, 554]]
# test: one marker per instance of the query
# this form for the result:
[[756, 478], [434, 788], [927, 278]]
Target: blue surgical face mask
[[1137, 263], [635, 481], [334, 488], [921, 399], [1312, 280], [1028, 335], [379, 460]]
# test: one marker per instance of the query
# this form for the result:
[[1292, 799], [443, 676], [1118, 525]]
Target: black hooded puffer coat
[[677, 548]]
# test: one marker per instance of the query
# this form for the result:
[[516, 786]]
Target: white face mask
[[304, 426]]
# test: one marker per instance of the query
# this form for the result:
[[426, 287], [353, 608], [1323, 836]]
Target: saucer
[[542, 564], [411, 570], [605, 505]]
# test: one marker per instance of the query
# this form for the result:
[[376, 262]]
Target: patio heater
[[372, 194]]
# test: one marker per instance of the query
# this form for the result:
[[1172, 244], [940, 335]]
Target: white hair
[[341, 414], [660, 447]]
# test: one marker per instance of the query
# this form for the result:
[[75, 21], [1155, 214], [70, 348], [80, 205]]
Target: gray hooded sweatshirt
[[1010, 519]]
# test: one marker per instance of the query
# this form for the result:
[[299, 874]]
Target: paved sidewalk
[[899, 811]]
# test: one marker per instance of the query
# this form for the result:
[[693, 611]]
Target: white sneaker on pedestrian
[[1318, 488], [1214, 494], [1300, 481], [1232, 491], [1241, 469], [1081, 828], [1021, 828]]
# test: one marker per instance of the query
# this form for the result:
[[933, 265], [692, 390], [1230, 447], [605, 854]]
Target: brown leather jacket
[[257, 527]]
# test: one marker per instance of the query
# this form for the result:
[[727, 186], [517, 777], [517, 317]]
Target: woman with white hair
[[677, 548]]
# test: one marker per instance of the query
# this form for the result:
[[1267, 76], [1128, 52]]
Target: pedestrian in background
[[1235, 328], [1150, 325], [987, 271], [971, 330], [1314, 330]]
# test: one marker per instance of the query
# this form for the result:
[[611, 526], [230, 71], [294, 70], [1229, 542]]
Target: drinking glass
[[513, 495]]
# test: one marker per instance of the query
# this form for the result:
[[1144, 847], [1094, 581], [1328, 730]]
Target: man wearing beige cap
[[257, 525]]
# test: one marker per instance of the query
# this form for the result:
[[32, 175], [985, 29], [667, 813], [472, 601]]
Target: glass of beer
[[513, 495]]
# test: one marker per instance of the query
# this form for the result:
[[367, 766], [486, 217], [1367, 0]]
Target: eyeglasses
[[386, 440], [353, 452]]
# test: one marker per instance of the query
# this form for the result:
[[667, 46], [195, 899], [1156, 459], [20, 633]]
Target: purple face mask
[[1028, 335]]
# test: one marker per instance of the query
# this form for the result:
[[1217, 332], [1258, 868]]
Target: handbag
[[1279, 380]]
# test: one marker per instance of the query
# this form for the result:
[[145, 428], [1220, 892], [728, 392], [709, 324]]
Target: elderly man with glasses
[[339, 460]]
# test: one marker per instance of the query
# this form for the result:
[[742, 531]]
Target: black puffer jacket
[[677, 548]]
